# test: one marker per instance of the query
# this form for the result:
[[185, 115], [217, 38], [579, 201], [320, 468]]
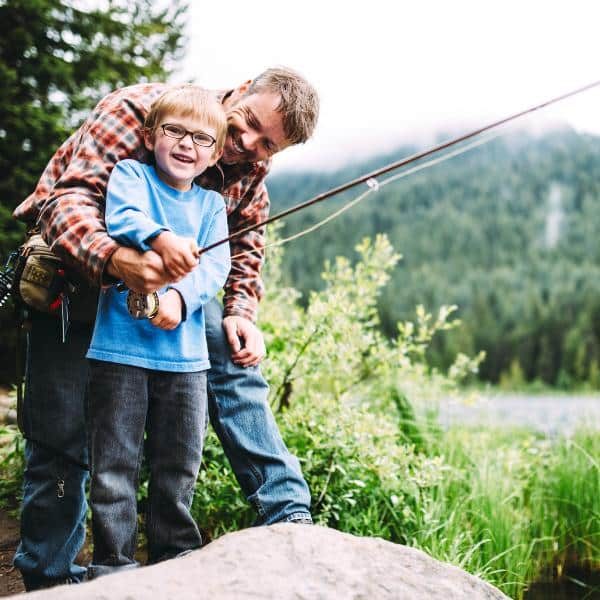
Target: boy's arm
[[131, 220], [203, 283], [128, 207], [179, 254]]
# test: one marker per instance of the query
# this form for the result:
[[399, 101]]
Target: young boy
[[150, 374]]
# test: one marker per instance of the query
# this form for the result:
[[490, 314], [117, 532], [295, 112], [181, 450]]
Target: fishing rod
[[370, 178]]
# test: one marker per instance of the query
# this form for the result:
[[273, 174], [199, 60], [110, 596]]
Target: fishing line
[[374, 186], [400, 163]]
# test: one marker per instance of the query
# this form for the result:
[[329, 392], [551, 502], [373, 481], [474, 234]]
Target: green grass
[[513, 505], [566, 504]]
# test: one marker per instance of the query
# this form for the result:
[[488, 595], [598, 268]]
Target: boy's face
[[180, 161], [255, 127]]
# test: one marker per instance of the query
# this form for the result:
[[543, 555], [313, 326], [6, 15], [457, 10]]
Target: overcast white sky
[[390, 72]]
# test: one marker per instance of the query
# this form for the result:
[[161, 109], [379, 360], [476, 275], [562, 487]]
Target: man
[[266, 115]]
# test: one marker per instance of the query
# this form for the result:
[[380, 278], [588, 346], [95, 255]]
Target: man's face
[[255, 129]]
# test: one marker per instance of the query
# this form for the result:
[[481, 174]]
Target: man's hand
[[179, 254], [140, 271], [246, 341], [169, 311]]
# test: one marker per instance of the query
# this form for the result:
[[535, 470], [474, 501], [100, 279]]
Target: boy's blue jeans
[[52, 527], [124, 402]]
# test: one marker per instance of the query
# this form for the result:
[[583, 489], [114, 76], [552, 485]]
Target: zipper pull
[[61, 488]]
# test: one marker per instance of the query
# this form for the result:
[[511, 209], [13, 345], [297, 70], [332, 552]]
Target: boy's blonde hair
[[189, 101]]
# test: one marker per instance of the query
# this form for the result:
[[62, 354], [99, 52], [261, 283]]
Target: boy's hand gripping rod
[[147, 307]]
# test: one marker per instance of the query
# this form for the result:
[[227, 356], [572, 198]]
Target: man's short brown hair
[[299, 104]]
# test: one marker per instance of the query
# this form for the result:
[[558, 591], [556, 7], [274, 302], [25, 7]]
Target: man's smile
[[237, 144]]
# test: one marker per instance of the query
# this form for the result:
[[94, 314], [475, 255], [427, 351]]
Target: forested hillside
[[509, 232]]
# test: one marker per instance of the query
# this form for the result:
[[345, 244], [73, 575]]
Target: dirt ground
[[10, 579]]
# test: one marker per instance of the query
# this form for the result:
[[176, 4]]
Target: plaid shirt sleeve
[[68, 202], [244, 287]]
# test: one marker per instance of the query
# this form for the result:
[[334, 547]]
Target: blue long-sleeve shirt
[[138, 207]]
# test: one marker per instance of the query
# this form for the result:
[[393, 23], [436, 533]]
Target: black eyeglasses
[[198, 137]]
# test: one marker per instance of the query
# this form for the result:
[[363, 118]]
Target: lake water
[[579, 586], [549, 414]]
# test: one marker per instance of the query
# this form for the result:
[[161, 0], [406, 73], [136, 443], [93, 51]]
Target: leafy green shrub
[[340, 392]]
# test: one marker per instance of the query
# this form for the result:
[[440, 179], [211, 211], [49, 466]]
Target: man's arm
[[140, 271], [245, 340], [72, 216]]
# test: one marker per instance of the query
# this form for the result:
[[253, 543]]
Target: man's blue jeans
[[125, 401], [268, 474], [52, 527], [54, 506]]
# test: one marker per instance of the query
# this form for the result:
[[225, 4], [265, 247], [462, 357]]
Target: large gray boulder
[[288, 562]]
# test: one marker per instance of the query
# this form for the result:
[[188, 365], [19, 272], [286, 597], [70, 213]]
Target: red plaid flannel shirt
[[68, 202]]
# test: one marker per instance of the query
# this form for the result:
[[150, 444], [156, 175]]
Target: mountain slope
[[507, 231]]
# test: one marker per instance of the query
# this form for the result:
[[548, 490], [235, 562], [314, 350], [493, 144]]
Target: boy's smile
[[180, 161]]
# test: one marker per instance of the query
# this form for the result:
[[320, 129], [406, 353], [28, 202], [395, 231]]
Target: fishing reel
[[142, 306]]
